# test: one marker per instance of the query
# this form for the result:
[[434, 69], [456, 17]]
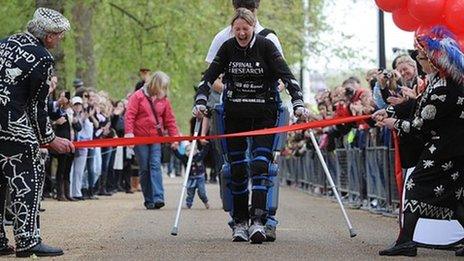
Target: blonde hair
[[245, 14], [405, 59], [159, 81]]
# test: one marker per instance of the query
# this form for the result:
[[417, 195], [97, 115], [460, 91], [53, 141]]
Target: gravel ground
[[120, 228]]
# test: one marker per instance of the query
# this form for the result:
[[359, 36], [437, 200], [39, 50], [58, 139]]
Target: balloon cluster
[[421, 15]]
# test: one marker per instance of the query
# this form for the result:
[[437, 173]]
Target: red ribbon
[[114, 142], [398, 177], [398, 167]]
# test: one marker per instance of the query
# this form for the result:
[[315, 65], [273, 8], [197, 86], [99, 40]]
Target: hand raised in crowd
[[380, 115], [62, 101], [408, 92], [387, 122], [118, 111], [356, 108], [62, 145], [92, 111], [381, 79], [106, 130], [53, 84], [75, 120], [395, 100]]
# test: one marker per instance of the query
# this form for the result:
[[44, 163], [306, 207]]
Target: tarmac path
[[120, 228]]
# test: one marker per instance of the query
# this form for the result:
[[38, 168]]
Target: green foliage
[[14, 16], [168, 35]]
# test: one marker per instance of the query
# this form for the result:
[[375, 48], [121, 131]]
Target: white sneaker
[[257, 233], [240, 232]]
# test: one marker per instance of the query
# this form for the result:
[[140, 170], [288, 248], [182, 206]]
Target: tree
[[58, 52], [111, 39], [82, 17]]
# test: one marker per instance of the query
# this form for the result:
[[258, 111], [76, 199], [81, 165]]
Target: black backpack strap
[[158, 123], [265, 32]]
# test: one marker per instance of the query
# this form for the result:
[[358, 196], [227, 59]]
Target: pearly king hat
[[50, 21], [443, 51]]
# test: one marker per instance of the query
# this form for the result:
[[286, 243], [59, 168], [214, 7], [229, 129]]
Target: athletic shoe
[[149, 205], [270, 233], [257, 233], [159, 205], [240, 232]]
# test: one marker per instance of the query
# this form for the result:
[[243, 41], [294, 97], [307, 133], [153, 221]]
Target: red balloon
[[427, 11], [454, 15], [390, 5], [404, 20], [422, 29]]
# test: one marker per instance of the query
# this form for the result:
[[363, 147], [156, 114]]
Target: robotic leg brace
[[266, 181]]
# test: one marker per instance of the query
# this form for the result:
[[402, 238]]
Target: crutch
[[332, 185], [175, 228]]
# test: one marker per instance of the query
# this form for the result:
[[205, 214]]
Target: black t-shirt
[[250, 79]]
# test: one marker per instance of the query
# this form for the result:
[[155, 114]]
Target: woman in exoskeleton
[[251, 65]]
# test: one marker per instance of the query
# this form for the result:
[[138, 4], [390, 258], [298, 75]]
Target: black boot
[[459, 252], [60, 192], [67, 192], [40, 250], [7, 250], [90, 194], [102, 186], [403, 249]]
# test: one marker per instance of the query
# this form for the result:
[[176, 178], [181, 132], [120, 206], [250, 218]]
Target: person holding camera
[[399, 85], [401, 89]]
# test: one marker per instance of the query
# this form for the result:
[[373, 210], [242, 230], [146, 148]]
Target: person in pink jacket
[[149, 114]]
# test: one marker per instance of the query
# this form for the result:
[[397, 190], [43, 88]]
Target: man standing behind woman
[[149, 113]]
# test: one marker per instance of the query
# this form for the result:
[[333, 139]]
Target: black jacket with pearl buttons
[[26, 67]]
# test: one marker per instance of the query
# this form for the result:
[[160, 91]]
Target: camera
[[387, 74], [349, 92], [391, 79]]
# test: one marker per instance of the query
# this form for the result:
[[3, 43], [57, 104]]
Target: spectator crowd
[[89, 114]]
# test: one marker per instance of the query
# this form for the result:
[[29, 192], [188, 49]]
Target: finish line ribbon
[[114, 142]]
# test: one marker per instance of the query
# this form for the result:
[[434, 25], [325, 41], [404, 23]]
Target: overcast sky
[[359, 19]]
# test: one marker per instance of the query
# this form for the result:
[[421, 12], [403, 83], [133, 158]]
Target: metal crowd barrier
[[365, 178]]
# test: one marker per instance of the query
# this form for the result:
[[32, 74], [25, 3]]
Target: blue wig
[[442, 49]]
